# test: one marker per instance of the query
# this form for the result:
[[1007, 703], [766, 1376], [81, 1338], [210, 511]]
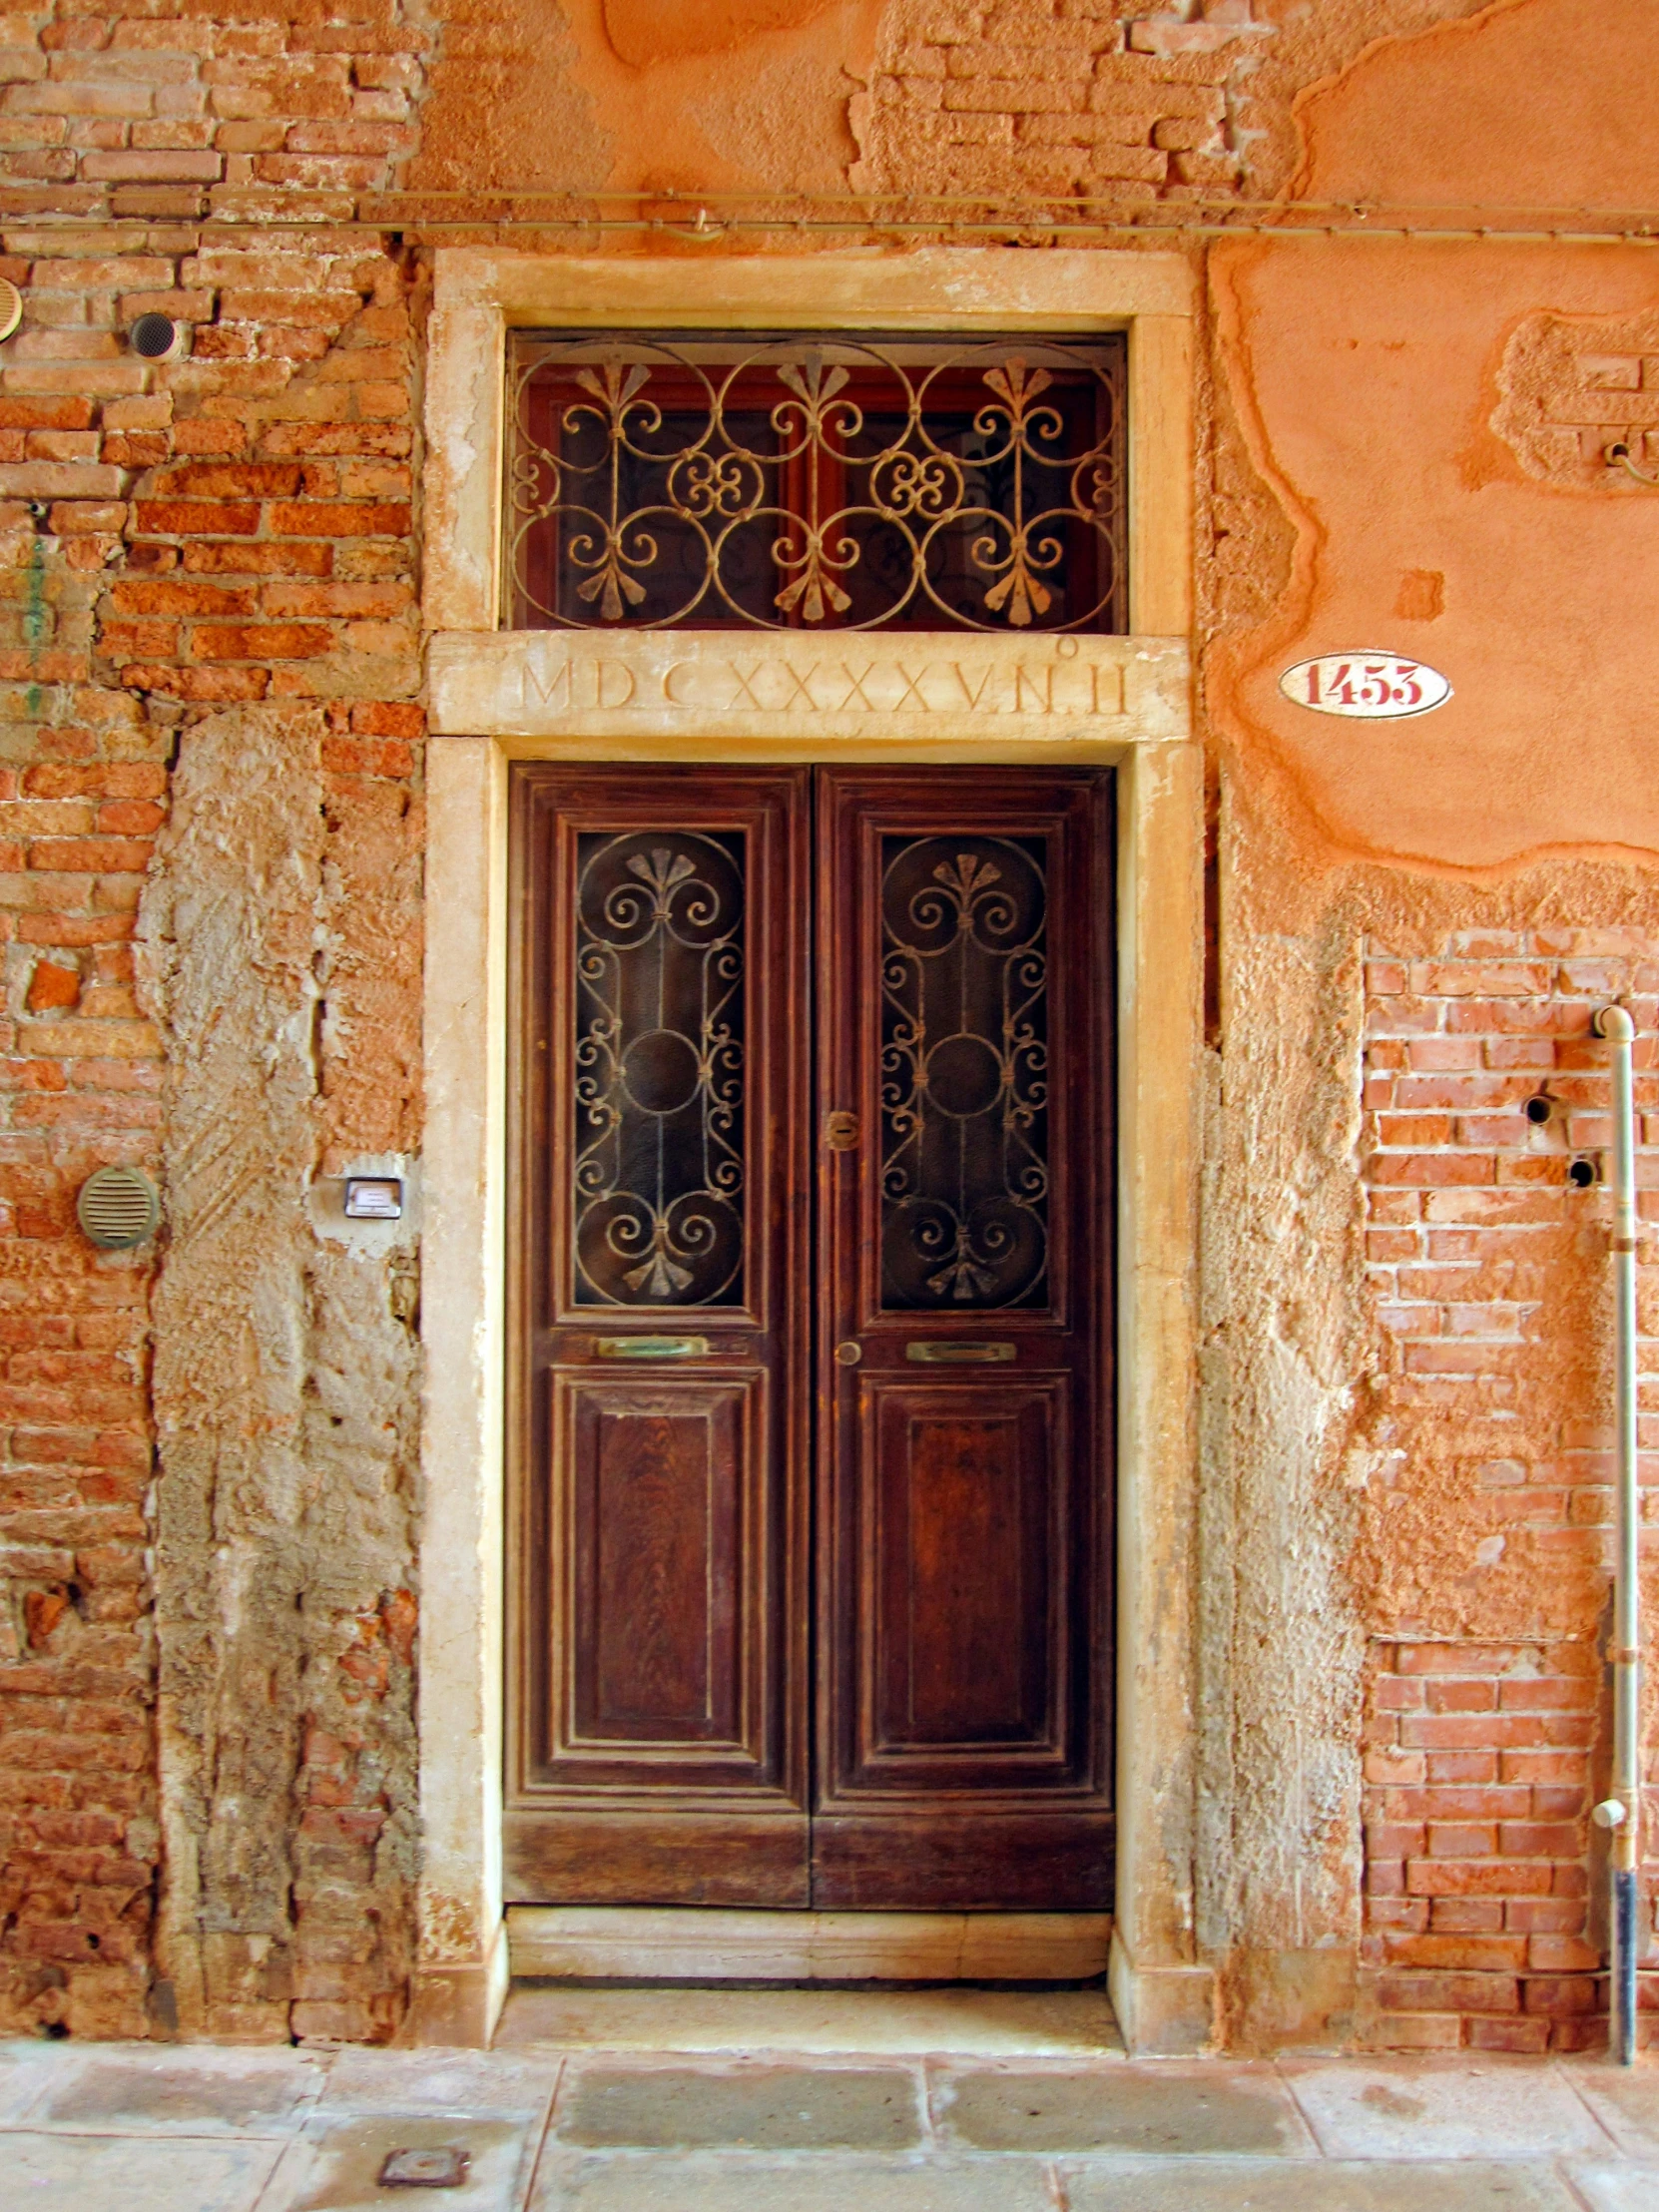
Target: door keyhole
[[841, 1131]]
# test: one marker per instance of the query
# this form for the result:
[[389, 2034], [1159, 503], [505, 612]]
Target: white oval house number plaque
[[1369, 687]]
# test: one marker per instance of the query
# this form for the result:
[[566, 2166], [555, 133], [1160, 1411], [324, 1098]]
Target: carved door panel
[[963, 1541], [688, 1724], [657, 1637]]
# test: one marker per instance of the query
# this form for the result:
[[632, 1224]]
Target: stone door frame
[[501, 696]]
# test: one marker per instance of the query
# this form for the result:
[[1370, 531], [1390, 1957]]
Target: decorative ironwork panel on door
[[830, 483], [658, 1174], [965, 1072]]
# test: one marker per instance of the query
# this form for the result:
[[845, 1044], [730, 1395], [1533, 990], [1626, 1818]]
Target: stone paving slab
[[1194, 2110], [1260, 2185], [507, 2084], [193, 2090], [156, 2128], [27, 2071], [335, 2165], [755, 2108], [1617, 2188], [113, 2173], [1428, 2109], [1626, 2102], [821, 2182]]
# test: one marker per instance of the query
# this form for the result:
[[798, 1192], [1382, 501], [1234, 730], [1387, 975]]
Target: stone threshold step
[[678, 1944], [958, 2022]]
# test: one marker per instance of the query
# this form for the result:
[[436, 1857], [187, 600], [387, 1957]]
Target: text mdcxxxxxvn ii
[[1064, 681]]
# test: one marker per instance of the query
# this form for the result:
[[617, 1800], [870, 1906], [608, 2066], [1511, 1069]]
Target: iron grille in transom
[[821, 483]]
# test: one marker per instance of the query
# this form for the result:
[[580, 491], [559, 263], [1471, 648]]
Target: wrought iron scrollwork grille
[[965, 1072], [658, 1179], [786, 482]]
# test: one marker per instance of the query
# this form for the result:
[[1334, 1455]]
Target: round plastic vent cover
[[11, 309], [119, 1208], [156, 337]]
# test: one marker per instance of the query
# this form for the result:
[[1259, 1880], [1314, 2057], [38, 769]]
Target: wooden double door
[[811, 1278]]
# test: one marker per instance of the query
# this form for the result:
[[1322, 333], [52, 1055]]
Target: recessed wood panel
[[652, 1638], [968, 1584]]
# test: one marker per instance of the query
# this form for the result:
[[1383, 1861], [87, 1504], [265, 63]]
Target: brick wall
[[1572, 386], [229, 528], [1072, 99], [1489, 1549], [241, 528]]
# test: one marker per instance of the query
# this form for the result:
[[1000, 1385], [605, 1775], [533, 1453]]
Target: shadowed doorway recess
[[810, 1397]]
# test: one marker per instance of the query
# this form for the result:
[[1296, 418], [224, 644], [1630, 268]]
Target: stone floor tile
[[1149, 2108], [114, 2173], [335, 2165], [1265, 2185], [28, 2068], [182, 2090], [516, 2084], [1617, 2188], [978, 2024], [1624, 2098], [1442, 2108], [751, 2107], [820, 2181]]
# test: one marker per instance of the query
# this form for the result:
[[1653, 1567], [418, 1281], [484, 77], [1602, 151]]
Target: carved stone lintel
[[859, 684]]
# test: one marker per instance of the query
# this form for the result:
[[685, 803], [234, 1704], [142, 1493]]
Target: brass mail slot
[[651, 1348], [928, 1351]]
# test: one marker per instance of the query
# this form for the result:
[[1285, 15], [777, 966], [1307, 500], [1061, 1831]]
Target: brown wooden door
[[659, 1500], [962, 986], [741, 1170]]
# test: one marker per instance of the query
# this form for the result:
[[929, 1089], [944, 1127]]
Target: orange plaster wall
[[1533, 103], [1364, 375], [645, 95]]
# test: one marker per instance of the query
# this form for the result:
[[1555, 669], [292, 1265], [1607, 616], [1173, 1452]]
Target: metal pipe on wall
[[1621, 1811]]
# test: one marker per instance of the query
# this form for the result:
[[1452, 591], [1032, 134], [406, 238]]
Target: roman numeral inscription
[[776, 685], [534, 683]]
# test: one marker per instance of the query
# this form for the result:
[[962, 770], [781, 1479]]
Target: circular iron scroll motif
[[658, 1182], [819, 483], [965, 1072]]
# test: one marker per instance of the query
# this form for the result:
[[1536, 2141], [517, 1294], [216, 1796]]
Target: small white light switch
[[374, 1198]]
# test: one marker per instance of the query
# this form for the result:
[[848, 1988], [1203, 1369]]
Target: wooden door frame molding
[[498, 697]]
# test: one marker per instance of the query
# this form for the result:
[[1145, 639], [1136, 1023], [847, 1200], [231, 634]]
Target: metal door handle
[[930, 1351], [650, 1347]]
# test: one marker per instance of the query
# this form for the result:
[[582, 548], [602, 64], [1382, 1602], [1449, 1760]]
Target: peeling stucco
[[284, 1399]]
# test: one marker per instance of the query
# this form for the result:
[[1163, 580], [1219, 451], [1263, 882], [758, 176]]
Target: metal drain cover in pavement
[[443, 2168]]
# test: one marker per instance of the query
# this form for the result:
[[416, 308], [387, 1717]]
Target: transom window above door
[[815, 482]]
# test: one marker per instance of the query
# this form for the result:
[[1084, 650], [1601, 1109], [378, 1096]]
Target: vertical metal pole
[[1622, 1812]]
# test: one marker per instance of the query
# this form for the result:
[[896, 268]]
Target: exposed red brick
[[52, 984], [338, 519]]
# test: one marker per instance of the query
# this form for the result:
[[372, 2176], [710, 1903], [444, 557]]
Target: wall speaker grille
[[155, 338], [119, 1208]]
